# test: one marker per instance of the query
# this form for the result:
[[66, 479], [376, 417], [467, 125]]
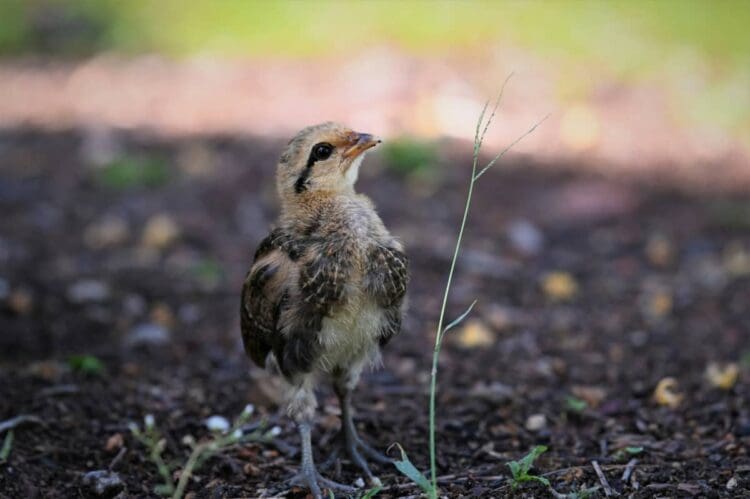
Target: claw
[[309, 478], [355, 448], [308, 475]]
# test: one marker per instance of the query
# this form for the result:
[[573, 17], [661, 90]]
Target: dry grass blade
[[11, 423], [509, 147], [479, 140], [608, 490]]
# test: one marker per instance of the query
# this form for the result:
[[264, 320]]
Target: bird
[[326, 289]]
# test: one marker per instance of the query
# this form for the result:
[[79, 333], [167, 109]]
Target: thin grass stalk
[[187, 471], [478, 140], [439, 334]]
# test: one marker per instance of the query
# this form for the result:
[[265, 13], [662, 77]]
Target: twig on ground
[[556, 494], [11, 423], [118, 458], [607, 467], [608, 491], [629, 470], [448, 479], [58, 390]]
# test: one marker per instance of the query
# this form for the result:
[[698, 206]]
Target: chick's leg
[[301, 407], [343, 385]]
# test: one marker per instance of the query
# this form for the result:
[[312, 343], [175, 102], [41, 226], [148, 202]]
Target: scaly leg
[[355, 447], [308, 475], [301, 407]]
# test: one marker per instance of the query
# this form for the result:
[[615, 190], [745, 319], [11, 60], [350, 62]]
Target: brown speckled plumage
[[327, 286]]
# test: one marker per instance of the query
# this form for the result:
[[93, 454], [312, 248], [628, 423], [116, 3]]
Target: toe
[[336, 485], [309, 480], [373, 454]]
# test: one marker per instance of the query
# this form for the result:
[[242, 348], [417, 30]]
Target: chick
[[326, 289]]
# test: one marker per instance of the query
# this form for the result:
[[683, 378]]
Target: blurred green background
[[626, 36], [698, 52]]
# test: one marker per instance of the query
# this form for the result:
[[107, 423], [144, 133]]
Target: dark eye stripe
[[301, 183], [320, 151]]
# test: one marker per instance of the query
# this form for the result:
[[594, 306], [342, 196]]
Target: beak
[[362, 142]]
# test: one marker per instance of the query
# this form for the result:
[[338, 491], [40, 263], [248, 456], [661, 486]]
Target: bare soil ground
[[653, 283]]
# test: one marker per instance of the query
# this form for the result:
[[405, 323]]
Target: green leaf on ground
[[130, 172], [576, 405], [7, 446], [409, 470], [369, 494], [520, 469], [86, 364]]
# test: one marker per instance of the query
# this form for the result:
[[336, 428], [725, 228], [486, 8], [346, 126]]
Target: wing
[[387, 275], [279, 239], [324, 269], [262, 296], [386, 280]]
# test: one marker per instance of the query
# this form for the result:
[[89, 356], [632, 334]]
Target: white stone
[[217, 423], [536, 422]]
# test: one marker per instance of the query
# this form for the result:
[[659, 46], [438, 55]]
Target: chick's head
[[322, 158]]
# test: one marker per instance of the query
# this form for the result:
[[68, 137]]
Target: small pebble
[[108, 232], [4, 289], [88, 291], [525, 237], [217, 423], [103, 482], [147, 334], [494, 392], [189, 313], [638, 338], [21, 301], [536, 422], [134, 305], [732, 483], [160, 232]]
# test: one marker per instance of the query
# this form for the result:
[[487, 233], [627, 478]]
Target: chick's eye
[[322, 151]]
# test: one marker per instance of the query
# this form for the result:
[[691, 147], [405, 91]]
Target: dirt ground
[[590, 292]]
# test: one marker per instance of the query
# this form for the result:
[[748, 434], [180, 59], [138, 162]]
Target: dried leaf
[[659, 251], [658, 304], [115, 442], [559, 286], [665, 393], [160, 231], [475, 334], [724, 377], [592, 395]]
